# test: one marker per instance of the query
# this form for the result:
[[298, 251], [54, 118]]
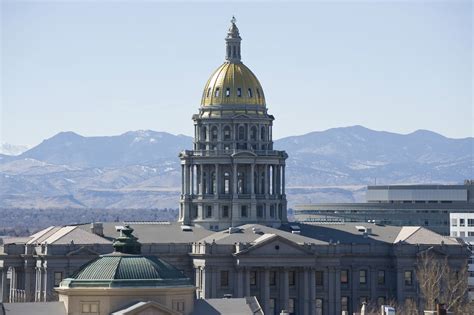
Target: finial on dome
[[126, 242], [233, 43]]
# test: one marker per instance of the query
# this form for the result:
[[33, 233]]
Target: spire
[[232, 43], [127, 243]]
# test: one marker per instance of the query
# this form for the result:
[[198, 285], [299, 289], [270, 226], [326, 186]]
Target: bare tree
[[440, 283]]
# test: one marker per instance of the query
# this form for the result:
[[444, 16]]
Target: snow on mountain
[[12, 149]]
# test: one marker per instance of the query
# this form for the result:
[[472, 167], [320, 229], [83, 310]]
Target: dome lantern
[[232, 42]]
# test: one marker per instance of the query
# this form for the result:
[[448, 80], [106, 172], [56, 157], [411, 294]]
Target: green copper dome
[[126, 268]]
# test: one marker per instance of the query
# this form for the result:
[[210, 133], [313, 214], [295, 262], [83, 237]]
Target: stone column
[[265, 291], [284, 290], [201, 180], [217, 188], [191, 186], [4, 295], [266, 189], [239, 287], [13, 285], [45, 284], [247, 282], [312, 291], [274, 179], [283, 180], [278, 178], [252, 180]]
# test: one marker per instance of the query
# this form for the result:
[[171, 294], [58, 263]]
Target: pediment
[[146, 308], [241, 116], [244, 154], [275, 245], [83, 251]]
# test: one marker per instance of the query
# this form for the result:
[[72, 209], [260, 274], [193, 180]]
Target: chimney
[[97, 228]]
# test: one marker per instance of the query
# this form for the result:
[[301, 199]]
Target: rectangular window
[[243, 211], [345, 303], [224, 278], [362, 276], [319, 306], [454, 222], [470, 222], [319, 278], [381, 277], [470, 233], [239, 92], [272, 211], [58, 277], [260, 211], [408, 277], [273, 277], [208, 211], [90, 308], [462, 234], [461, 222], [253, 278], [225, 211], [291, 306], [178, 305], [344, 276], [291, 278]]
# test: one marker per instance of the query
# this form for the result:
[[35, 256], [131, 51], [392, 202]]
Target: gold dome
[[233, 84]]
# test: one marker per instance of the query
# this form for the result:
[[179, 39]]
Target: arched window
[[208, 92], [255, 183], [204, 133], [240, 182], [226, 133], [250, 92], [262, 133], [227, 92], [226, 183], [214, 133], [241, 133], [239, 92], [217, 92], [258, 93], [253, 133]]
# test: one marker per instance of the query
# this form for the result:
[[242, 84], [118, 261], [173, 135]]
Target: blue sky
[[104, 67]]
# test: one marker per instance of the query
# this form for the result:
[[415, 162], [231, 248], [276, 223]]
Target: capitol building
[[232, 250]]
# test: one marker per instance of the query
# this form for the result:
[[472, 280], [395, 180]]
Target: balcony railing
[[230, 152]]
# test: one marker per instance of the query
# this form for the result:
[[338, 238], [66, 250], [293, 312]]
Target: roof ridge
[[118, 267]]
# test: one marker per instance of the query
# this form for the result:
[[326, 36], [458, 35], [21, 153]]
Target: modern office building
[[402, 205], [462, 226], [233, 238]]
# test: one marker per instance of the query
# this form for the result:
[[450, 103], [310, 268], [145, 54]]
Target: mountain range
[[140, 169]]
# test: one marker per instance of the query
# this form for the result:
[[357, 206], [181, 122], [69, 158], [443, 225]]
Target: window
[[253, 278], [470, 233], [225, 211], [178, 305], [241, 133], [258, 93], [224, 278], [272, 211], [253, 133], [214, 133], [90, 308], [58, 277], [260, 211], [291, 278], [208, 92], [250, 92], [262, 133], [226, 183], [217, 92], [239, 92], [243, 211], [208, 211], [470, 222], [461, 222], [227, 92], [344, 303], [362, 276], [381, 277], [408, 277], [344, 276], [381, 300], [273, 277], [319, 306], [319, 278], [454, 222], [226, 133], [291, 306]]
